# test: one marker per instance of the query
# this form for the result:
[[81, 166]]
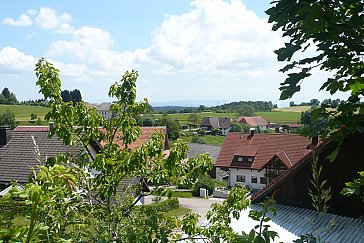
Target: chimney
[[51, 125], [314, 140], [4, 136], [252, 132]]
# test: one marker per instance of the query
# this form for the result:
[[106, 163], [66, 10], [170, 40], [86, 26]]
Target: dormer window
[[250, 159], [240, 159]]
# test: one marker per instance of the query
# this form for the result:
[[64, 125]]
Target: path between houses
[[197, 205]]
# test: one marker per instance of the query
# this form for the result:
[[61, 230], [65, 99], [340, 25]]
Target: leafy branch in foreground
[[86, 197], [320, 193], [328, 35]]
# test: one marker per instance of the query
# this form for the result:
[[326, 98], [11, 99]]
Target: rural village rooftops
[[263, 147], [146, 134], [253, 121]]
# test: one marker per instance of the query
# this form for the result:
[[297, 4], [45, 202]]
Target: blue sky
[[206, 50]]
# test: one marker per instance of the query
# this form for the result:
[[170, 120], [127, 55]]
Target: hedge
[[163, 206]]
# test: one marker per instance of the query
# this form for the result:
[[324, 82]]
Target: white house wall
[[233, 172]]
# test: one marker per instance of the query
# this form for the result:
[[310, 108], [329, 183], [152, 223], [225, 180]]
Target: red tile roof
[[289, 148], [32, 129], [291, 170], [253, 121], [143, 138]]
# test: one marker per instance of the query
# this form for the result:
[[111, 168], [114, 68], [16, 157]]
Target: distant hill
[[234, 106], [173, 109]]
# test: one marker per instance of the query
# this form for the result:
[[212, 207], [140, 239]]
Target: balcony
[[272, 173]]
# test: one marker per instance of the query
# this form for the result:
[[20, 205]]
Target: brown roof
[[253, 121], [290, 148], [291, 170], [294, 125], [146, 134]]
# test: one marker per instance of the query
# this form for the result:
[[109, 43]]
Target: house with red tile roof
[[291, 187], [257, 122], [256, 159], [146, 134]]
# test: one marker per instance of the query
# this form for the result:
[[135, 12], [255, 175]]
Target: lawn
[[181, 211], [209, 139], [182, 194], [22, 112]]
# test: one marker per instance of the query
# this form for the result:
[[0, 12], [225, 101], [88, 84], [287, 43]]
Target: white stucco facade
[[248, 176]]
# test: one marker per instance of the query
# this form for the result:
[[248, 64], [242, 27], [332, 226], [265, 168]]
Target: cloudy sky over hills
[[184, 50]]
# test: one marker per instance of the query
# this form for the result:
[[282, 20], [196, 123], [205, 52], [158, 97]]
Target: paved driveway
[[198, 205]]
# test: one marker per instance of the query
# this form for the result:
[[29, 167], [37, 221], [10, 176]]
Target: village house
[[291, 128], [256, 122], [291, 186], [18, 159], [256, 159], [212, 123], [104, 110]]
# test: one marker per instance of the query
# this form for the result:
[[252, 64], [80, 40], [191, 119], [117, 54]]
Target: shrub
[[203, 182], [197, 139]]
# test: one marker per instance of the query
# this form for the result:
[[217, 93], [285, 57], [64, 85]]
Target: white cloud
[[23, 20], [13, 61], [50, 19], [93, 46], [215, 36]]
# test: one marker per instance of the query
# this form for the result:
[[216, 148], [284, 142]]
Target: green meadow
[[22, 112]]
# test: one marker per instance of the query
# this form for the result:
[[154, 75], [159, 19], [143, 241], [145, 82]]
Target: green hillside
[[22, 112]]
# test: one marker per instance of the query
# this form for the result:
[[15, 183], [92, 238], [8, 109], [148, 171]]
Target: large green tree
[[326, 35], [335, 31]]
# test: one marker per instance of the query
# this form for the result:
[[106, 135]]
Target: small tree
[[33, 116], [194, 118], [8, 119]]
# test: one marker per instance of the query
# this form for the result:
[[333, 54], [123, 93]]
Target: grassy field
[[293, 109], [22, 112], [281, 116]]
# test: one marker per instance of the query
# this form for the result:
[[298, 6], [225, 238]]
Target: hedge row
[[163, 206]]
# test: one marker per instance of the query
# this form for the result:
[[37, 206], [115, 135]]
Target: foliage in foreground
[[64, 202]]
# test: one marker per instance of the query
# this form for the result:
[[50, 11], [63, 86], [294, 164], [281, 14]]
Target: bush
[[163, 206], [203, 182], [197, 139]]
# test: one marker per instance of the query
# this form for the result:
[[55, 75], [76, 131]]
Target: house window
[[254, 179], [250, 159], [240, 178], [263, 180], [240, 159]]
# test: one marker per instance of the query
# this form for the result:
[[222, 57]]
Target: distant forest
[[255, 106]]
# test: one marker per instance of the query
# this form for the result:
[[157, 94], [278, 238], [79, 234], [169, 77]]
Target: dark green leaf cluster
[[335, 31]]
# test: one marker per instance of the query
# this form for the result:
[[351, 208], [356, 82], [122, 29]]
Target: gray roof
[[105, 106], [291, 222], [216, 122], [17, 157], [196, 148]]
